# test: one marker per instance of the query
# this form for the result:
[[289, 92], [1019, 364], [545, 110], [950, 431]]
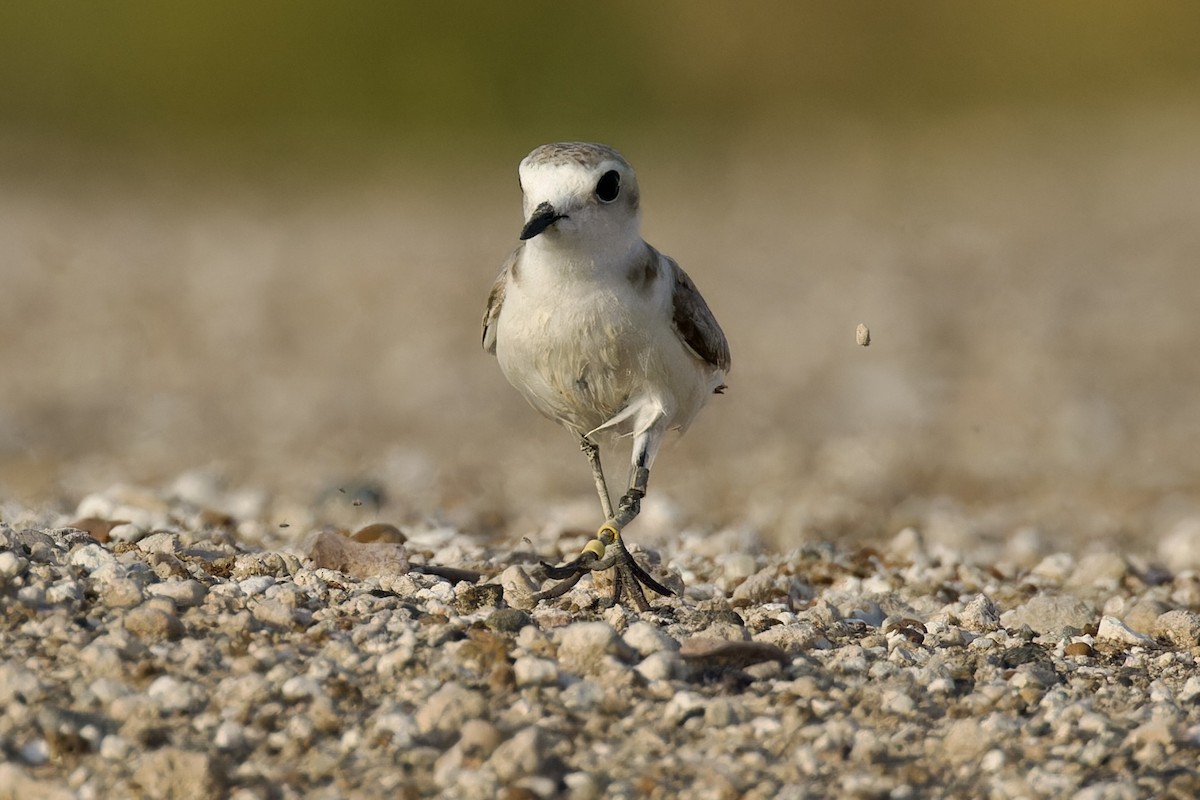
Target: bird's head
[[575, 192]]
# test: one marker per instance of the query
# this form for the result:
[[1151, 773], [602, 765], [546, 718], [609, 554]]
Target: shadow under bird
[[601, 333]]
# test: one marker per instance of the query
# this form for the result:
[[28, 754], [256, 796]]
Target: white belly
[[599, 354]]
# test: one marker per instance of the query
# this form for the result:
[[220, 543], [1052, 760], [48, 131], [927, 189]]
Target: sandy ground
[[1030, 283]]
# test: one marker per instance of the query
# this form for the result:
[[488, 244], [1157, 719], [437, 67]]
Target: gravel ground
[[160, 646]]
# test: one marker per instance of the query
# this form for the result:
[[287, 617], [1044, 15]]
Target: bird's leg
[[606, 550], [629, 577], [592, 557], [592, 451]]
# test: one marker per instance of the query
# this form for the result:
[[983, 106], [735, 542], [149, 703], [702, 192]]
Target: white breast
[[590, 349]]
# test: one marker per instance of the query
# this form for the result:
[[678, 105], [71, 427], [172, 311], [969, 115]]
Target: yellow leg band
[[610, 530], [595, 547]]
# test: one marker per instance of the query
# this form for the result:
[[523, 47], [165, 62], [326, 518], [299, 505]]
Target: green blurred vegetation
[[274, 79]]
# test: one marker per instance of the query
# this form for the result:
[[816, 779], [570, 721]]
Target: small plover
[[601, 333]]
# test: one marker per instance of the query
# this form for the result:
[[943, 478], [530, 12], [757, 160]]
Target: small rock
[[479, 739], [11, 564], [1051, 614], [519, 588], [794, 639], [1179, 550], [682, 706], [256, 584], [583, 646], [115, 748], [533, 671], [523, 754], [120, 593], [443, 714], [1104, 570], [401, 728], [301, 687], [645, 639], [1190, 692], [1054, 568], [720, 713], [661, 666], [153, 624], [276, 614], [1179, 627], [1079, 649], [185, 593], [738, 567], [17, 784], [1112, 629], [358, 559], [761, 587], [179, 774], [229, 736], [907, 544], [980, 615], [171, 694], [380, 532], [508, 620], [92, 557], [161, 542]]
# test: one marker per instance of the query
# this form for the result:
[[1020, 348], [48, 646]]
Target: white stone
[[229, 736], [661, 666], [300, 687], [533, 671], [184, 594], [646, 638], [256, 584], [161, 542], [11, 564], [171, 694], [1114, 630], [583, 646], [92, 557]]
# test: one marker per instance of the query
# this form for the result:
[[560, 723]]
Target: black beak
[[543, 217]]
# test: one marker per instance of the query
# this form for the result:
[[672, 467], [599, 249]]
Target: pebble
[[661, 666], [532, 671], [523, 753], [441, 716], [179, 774], [275, 614], [184, 594], [980, 614], [1051, 613], [1178, 627], [1112, 629], [519, 588], [121, 593], [645, 638], [584, 646], [11, 564], [153, 624], [172, 694]]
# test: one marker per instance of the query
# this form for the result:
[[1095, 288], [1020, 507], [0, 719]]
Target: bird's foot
[[605, 552]]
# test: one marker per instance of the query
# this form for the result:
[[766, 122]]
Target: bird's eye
[[609, 186]]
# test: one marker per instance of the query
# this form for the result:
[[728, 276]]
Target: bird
[[602, 333]]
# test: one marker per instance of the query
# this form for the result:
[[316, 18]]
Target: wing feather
[[491, 315], [694, 321]]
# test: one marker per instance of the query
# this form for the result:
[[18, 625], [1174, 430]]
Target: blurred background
[[256, 240]]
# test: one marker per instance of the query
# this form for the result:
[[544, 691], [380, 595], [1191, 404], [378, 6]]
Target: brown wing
[[491, 315], [695, 323]]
